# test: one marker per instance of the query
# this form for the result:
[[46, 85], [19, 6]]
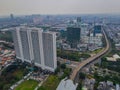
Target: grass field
[[27, 85], [51, 83]]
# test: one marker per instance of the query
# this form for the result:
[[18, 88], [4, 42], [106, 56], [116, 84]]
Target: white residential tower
[[35, 46]]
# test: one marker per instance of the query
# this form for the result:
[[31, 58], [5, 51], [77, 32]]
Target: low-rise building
[[113, 58], [66, 84]]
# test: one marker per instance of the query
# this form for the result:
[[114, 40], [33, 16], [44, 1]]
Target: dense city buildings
[[33, 45], [82, 40], [59, 44]]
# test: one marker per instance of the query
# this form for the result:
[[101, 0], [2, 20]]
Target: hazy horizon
[[27, 7]]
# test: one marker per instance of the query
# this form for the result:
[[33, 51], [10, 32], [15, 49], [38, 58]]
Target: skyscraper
[[49, 45], [97, 30], [73, 36], [79, 21], [11, 16], [74, 32], [35, 46]]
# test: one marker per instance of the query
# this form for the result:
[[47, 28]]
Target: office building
[[35, 46], [97, 30], [73, 36], [11, 16], [79, 21]]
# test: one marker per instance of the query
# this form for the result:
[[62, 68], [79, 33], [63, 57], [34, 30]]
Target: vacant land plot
[[51, 83], [27, 85]]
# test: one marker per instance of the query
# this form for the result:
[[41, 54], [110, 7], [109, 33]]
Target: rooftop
[[66, 85]]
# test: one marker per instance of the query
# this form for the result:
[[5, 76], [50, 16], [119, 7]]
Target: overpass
[[75, 72]]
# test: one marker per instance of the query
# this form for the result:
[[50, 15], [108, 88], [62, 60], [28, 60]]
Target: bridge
[[82, 64]]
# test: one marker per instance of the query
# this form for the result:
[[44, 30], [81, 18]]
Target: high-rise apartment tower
[[35, 46]]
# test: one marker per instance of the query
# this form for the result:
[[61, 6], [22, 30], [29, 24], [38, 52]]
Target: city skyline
[[20, 7], [60, 52]]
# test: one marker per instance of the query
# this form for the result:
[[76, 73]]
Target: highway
[[75, 72]]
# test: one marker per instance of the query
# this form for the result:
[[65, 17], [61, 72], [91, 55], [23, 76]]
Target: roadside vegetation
[[96, 51], [6, 36], [75, 56], [81, 79], [11, 75]]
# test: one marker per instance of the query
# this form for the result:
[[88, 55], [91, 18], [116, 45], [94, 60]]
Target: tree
[[104, 62], [79, 87], [63, 66], [6, 87], [104, 59], [82, 75], [96, 64], [42, 88], [106, 77], [58, 63], [57, 70], [7, 36], [95, 86], [67, 72], [96, 76]]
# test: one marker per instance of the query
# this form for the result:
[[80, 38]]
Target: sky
[[26, 7]]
